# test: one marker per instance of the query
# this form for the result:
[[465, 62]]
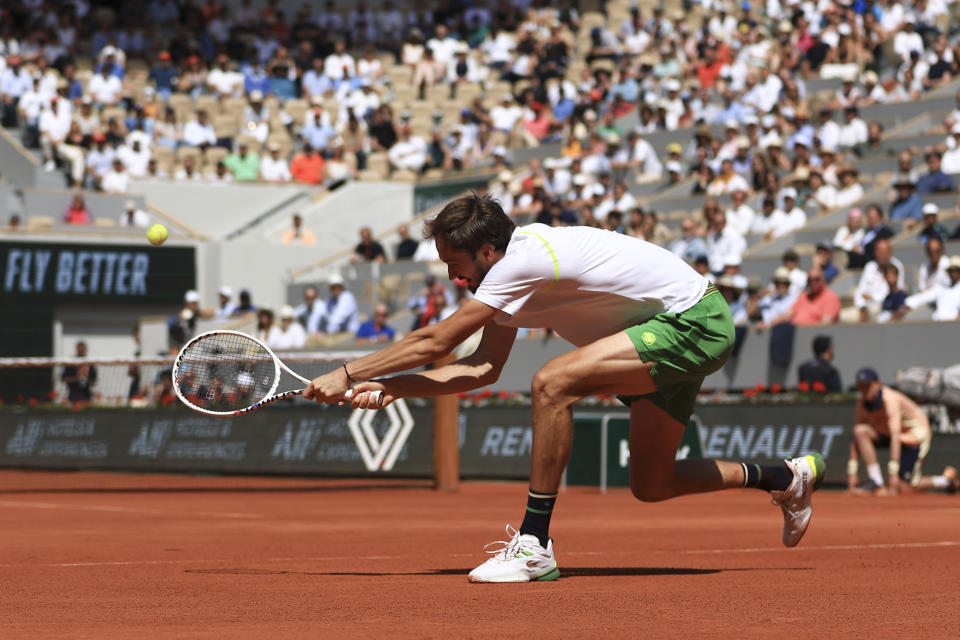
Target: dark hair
[[820, 344], [471, 221]]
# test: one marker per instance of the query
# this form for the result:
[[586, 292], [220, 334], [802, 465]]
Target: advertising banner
[[495, 442]]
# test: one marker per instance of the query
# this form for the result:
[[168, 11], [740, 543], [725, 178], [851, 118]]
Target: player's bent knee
[[548, 386], [862, 430], [650, 492]]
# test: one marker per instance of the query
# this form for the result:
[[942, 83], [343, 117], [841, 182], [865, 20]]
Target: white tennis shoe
[[795, 501], [521, 559]]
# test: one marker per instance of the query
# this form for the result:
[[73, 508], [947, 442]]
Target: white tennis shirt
[[586, 283]]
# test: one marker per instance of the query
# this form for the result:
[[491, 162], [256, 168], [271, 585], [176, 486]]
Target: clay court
[[121, 556]]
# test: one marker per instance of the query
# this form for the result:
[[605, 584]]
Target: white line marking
[[828, 547], [208, 562], [113, 509]]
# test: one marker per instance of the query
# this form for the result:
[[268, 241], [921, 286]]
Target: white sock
[[873, 471], [941, 482]]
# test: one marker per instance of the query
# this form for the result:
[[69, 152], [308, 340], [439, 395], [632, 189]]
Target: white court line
[[112, 509], [208, 561], [827, 547]]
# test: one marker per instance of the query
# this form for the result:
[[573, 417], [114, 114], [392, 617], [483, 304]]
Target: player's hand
[[328, 388], [370, 395], [893, 486]]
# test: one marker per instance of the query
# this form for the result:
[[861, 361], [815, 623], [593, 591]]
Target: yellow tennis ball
[[157, 234]]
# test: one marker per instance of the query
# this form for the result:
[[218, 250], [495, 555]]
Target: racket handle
[[348, 395]]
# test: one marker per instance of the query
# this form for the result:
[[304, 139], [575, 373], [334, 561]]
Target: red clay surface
[[111, 556]]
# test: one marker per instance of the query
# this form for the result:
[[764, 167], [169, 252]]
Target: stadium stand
[[547, 106]]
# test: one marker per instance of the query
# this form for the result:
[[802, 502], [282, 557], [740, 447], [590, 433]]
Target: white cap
[[226, 291], [286, 311], [335, 279], [768, 121], [191, 296], [595, 189], [844, 29], [581, 179], [500, 150], [671, 84], [731, 124], [751, 119], [789, 192], [931, 208], [956, 129], [245, 381], [733, 260], [674, 166], [740, 281], [256, 95], [910, 19], [129, 204]]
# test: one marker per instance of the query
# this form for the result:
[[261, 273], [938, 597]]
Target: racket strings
[[225, 372]]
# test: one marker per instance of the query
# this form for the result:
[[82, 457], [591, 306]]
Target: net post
[[446, 441]]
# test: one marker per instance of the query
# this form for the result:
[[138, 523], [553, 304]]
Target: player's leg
[[866, 437], [853, 466], [611, 366], [654, 474]]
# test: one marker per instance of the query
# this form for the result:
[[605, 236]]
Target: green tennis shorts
[[684, 348]]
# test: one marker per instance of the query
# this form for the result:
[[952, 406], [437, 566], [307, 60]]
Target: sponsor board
[[495, 443], [276, 440]]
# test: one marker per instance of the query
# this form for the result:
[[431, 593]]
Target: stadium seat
[[193, 153], [297, 109], [39, 223], [225, 125], [253, 145], [164, 156], [213, 155], [404, 175], [208, 103], [379, 163], [113, 113]]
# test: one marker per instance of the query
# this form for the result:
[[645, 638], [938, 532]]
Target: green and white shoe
[[521, 559], [795, 501]]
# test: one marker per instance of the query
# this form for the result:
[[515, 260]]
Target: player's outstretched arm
[[479, 369], [418, 348]]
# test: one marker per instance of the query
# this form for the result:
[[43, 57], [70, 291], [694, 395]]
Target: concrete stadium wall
[[215, 211], [17, 165], [55, 202]]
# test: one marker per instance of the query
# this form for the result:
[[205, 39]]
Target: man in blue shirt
[[316, 133], [935, 180], [908, 206], [164, 75], [376, 329], [341, 308]]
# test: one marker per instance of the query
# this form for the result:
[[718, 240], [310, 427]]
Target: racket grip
[[348, 395]]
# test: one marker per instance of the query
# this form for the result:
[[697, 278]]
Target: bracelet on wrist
[[347, 373]]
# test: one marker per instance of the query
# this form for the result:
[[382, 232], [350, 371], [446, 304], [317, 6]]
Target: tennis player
[[646, 326]]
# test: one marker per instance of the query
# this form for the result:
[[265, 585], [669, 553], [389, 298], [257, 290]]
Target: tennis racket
[[228, 373]]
